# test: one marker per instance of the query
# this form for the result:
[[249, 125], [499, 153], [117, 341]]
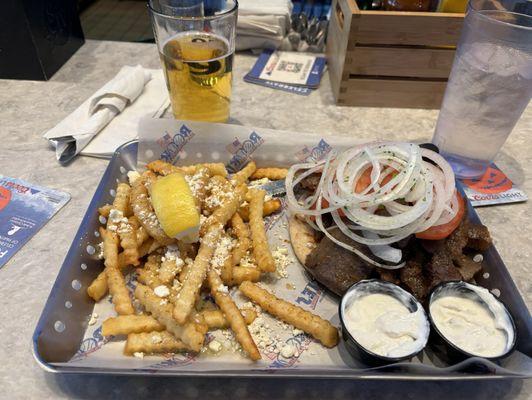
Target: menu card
[[289, 71], [24, 209]]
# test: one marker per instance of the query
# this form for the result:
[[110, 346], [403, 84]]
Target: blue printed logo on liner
[[242, 151], [173, 144]]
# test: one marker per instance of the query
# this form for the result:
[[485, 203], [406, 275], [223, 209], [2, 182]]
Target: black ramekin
[[450, 352], [378, 286]]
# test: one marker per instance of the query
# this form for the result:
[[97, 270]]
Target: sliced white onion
[[416, 196]]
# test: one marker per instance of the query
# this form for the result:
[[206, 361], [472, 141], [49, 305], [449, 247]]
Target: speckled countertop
[[27, 109]]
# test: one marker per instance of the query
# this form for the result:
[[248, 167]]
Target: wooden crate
[[390, 58]]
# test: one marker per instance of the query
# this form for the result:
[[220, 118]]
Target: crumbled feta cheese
[[132, 176], [117, 222], [288, 351], [161, 291], [280, 256], [156, 338], [217, 195], [215, 346], [222, 252], [172, 252], [139, 354], [247, 261], [196, 181], [261, 333], [115, 215], [222, 289]]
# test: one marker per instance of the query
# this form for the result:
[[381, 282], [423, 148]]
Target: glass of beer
[[196, 43]]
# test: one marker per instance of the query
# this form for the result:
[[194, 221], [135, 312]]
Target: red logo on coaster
[[492, 182], [5, 197]]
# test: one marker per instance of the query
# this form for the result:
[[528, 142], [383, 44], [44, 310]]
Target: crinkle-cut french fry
[[215, 319], [148, 278], [195, 275], [219, 182], [185, 270], [249, 315], [115, 280], [140, 233], [191, 333], [118, 224], [232, 315], [128, 241], [241, 231], [149, 275], [152, 280], [126, 324], [143, 209], [110, 243], [218, 189], [153, 343], [198, 185], [261, 249], [228, 208], [148, 247], [122, 197], [243, 175], [98, 288], [273, 174], [269, 207], [169, 269], [214, 168], [105, 210], [310, 323], [241, 274], [153, 263], [163, 168], [226, 270]]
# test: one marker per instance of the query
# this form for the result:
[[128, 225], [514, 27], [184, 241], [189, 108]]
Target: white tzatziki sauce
[[479, 328], [384, 325]]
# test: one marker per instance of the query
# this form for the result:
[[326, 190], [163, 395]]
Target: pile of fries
[[171, 275]]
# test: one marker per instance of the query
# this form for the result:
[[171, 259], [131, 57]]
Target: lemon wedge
[[175, 207]]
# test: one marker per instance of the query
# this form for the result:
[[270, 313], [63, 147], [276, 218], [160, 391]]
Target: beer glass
[[196, 43]]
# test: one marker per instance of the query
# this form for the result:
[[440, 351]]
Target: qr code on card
[[289, 66]]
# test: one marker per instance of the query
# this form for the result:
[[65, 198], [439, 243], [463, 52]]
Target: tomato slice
[[365, 180], [325, 204], [443, 231]]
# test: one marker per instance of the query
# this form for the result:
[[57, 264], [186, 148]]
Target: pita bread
[[302, 237]]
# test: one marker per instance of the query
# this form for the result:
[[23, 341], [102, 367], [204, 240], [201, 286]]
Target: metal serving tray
[[59, 332]]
